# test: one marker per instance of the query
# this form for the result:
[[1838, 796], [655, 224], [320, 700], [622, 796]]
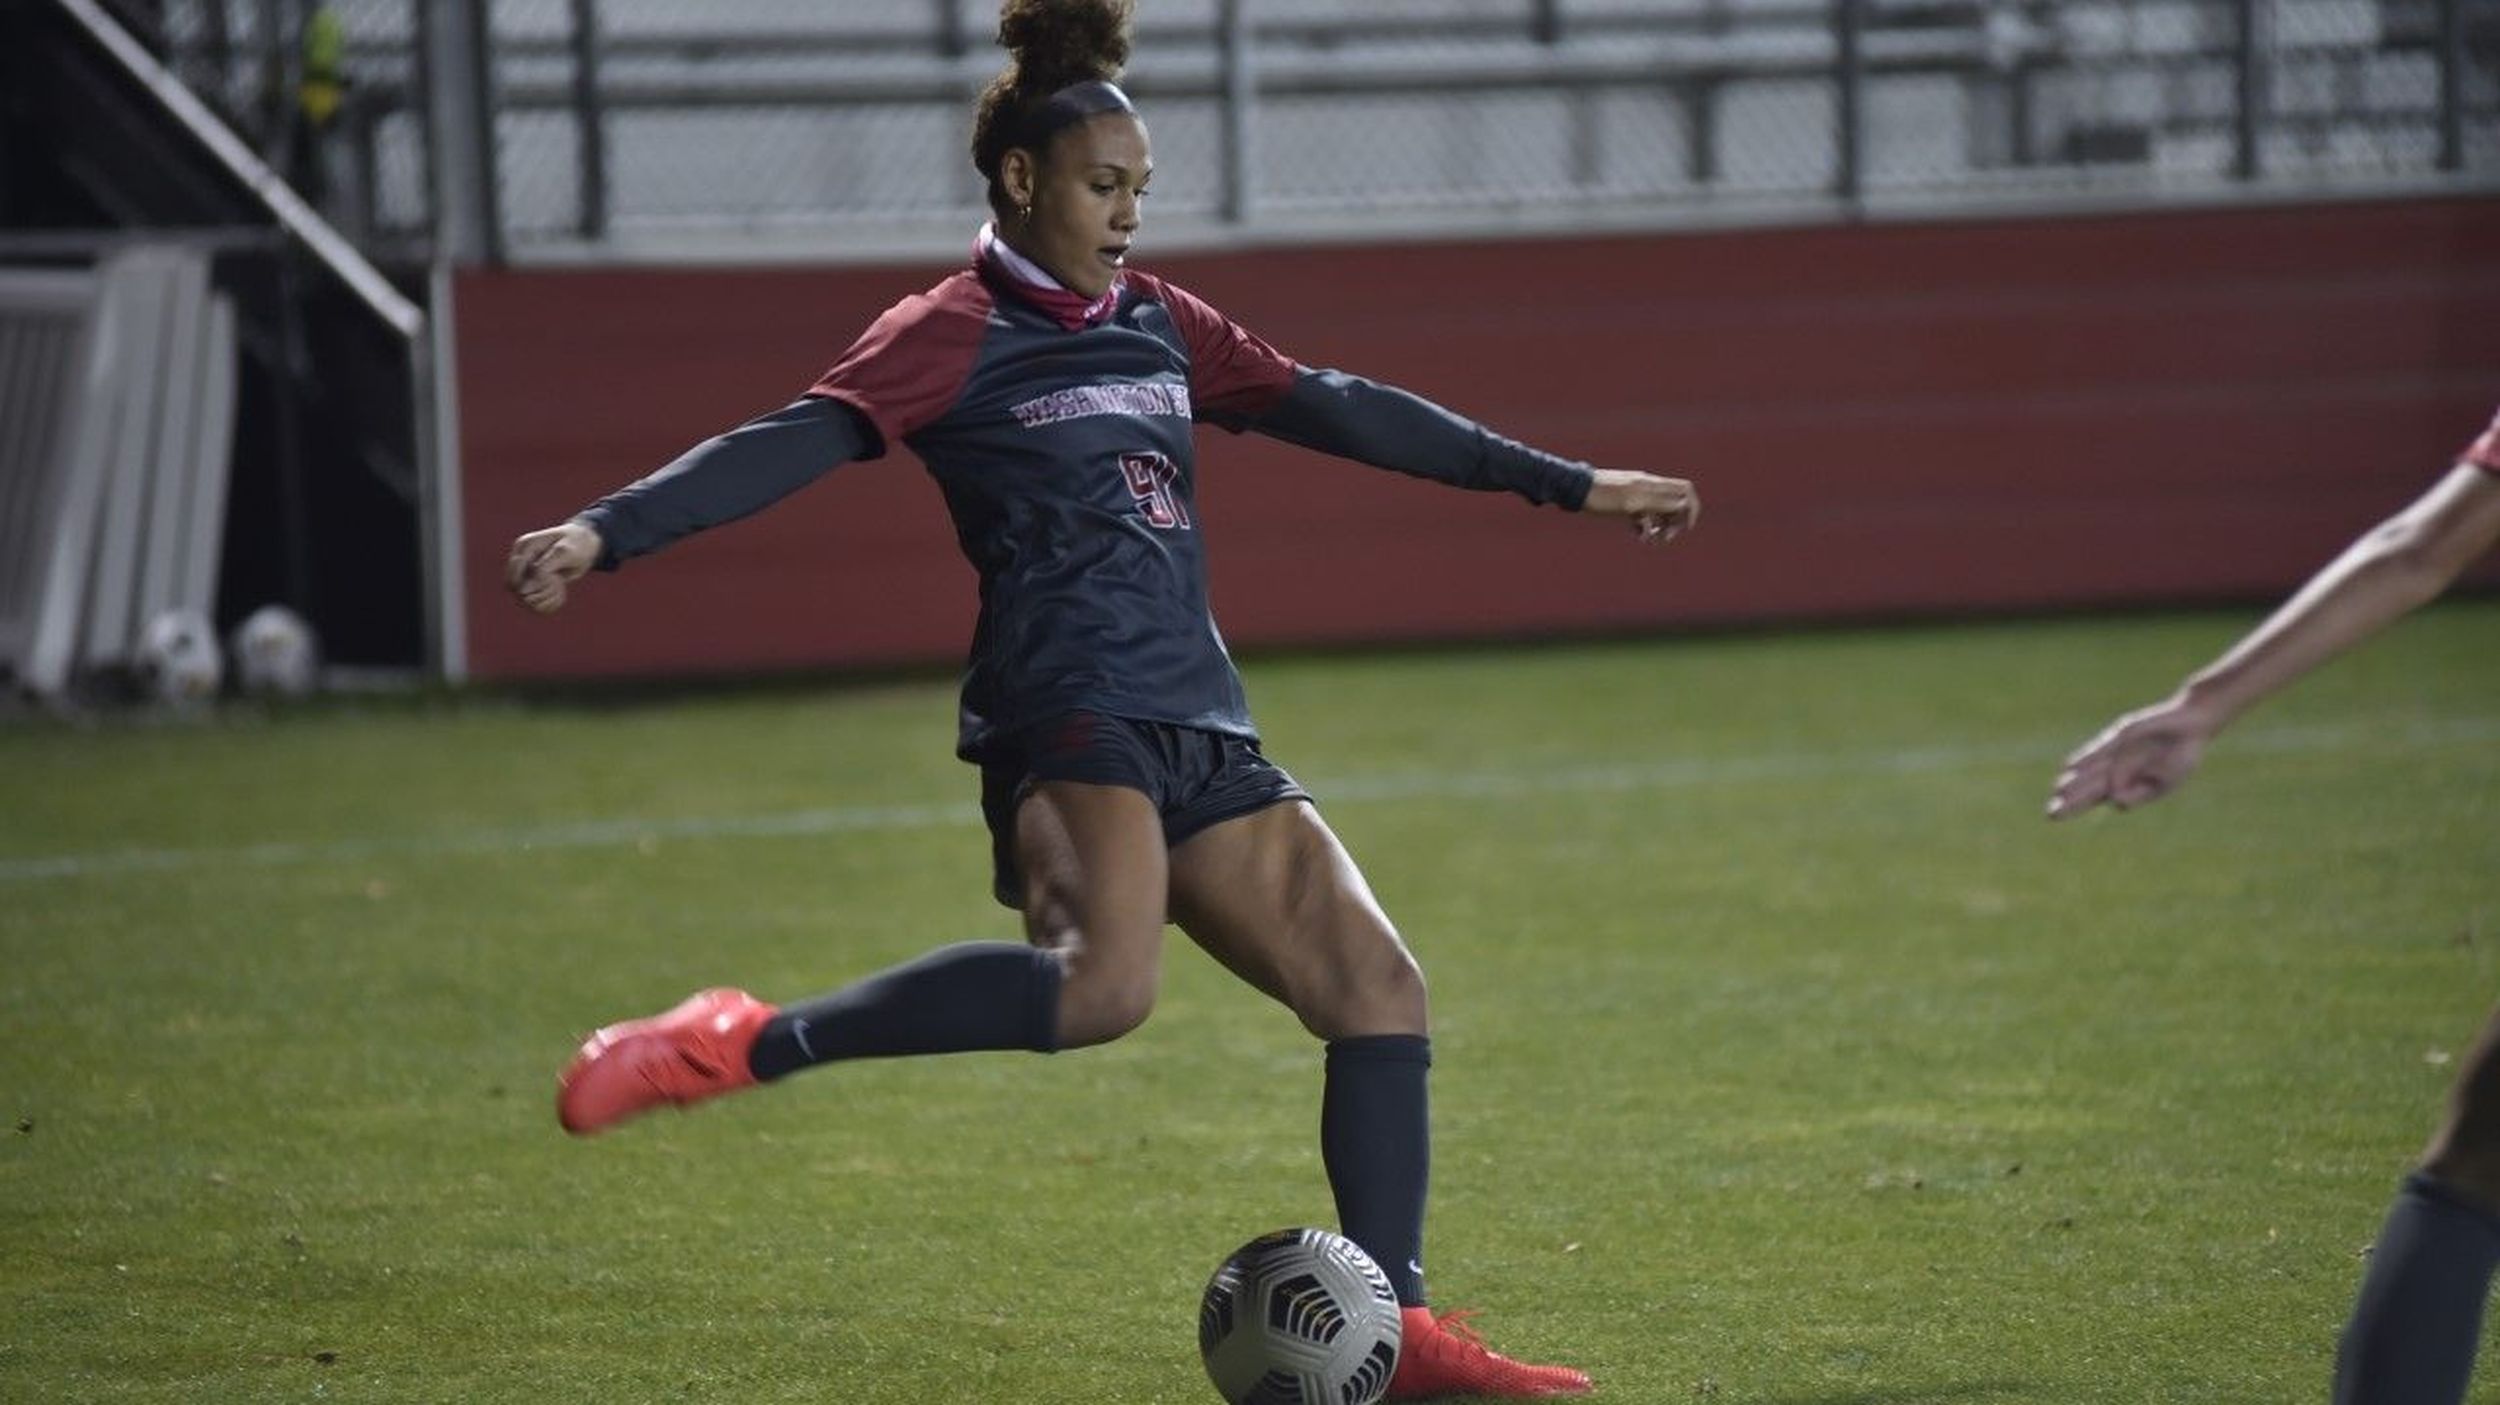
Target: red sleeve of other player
[[912, 362], [2484, 453], [1232, 374]]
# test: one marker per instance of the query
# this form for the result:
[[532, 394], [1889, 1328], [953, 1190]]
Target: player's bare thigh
[[1092, 862], [1275, 898]]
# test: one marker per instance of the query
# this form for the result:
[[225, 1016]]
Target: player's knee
[[1099, 1000], [1393, 984], [1379, 990], [1101, 1014]]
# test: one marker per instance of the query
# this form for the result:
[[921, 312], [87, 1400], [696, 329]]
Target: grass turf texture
[[1785, 1054]]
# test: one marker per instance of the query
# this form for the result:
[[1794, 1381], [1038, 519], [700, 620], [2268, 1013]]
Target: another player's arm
[[1351, 417], [719, 480], [2390, 570]]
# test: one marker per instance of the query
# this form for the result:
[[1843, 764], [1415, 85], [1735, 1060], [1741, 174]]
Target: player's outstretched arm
[[719, 480], [1363, 420], [2396, 566]]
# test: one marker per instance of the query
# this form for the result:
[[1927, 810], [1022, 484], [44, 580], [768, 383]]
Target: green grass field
[[1785, 1054]]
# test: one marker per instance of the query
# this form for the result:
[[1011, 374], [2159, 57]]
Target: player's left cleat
[[695, 1051], [1443, 1357]]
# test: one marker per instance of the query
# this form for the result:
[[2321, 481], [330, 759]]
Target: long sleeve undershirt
[[730, 476], [1381, 425]]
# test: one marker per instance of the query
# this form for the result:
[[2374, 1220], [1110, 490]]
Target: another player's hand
[[2135, 760], [1660, 508], [543, 563]]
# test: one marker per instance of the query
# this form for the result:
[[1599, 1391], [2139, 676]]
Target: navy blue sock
[[2413, 1332], [1375, 1136], [973, 995]]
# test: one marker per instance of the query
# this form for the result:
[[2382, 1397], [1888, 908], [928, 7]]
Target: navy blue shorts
[[1196, 778]]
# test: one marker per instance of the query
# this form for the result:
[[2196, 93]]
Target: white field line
[[1427, 785]]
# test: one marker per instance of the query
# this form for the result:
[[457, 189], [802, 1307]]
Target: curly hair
[[1050, 44]]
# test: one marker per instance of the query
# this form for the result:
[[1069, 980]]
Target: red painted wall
[[1883, 420]]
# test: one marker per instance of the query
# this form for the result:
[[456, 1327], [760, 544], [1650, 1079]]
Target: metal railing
[[618, 128]]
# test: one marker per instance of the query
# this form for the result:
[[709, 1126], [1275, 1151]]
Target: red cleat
[[696, 1051], [1444, 1357]]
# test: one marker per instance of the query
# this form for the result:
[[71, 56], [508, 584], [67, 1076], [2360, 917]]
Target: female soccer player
[[1050, 390], [2412, 1337]]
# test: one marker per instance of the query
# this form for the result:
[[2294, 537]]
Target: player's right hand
[[2135, 760], [543, 563]]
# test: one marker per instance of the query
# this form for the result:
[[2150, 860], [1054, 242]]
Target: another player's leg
[[1089, 859], [2418, 1318], [1276, 899]]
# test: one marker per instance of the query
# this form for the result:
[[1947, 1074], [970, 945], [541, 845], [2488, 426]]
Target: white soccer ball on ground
[[275, 652], [1299, 1317], [177, 661]]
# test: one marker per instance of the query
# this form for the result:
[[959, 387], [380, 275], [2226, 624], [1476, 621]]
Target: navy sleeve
[[1386, 427], [729, 476]]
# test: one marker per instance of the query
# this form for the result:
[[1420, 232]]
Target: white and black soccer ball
[[1299, 1317], [177, 662], [275, 653]]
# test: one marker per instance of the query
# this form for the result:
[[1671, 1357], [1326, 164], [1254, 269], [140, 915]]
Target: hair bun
[[1058, 42]]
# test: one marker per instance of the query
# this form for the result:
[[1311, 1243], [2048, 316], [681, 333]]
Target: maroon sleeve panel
[[912, 362], [1233, 376]]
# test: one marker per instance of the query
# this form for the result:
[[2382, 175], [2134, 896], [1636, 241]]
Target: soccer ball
[[274, 653], [1299, 1317], [177, 662]]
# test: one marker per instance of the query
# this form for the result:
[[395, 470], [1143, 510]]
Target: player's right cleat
[[1443, 1357], [695, 1051]]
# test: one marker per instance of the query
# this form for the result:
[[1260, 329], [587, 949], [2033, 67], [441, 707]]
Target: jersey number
[[1151, 481]]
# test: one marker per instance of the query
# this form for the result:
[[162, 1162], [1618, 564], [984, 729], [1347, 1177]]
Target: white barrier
[[117, 407]]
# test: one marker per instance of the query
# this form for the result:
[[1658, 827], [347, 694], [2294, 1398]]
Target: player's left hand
[[1661, 509], [2135, 760]]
